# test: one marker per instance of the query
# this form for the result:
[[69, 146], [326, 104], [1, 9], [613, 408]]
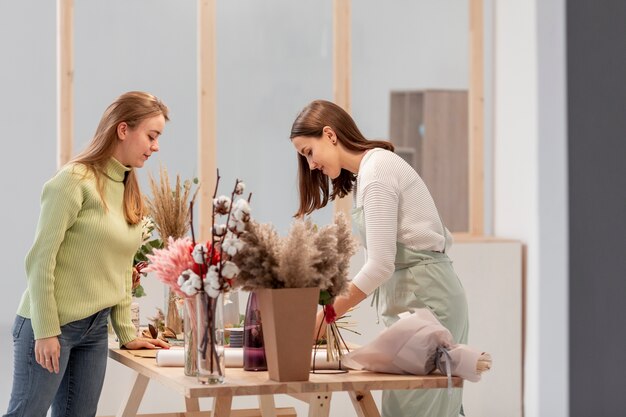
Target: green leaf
[[139, 292], [325, 297]]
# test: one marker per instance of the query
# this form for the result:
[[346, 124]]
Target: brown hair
[[313, 184], [132, 107]]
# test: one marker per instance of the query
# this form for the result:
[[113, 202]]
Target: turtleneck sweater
[[81, 260]]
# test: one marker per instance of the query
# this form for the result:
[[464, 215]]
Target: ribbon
[[445, 369], [329, 313]]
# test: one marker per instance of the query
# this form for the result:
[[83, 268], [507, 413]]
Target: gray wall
[[273, 57], [597, 182]]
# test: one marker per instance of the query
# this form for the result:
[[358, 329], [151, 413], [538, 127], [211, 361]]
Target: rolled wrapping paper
[[233, 358]]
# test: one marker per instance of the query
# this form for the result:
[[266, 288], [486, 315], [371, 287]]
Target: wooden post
[[342, 73], [65, 81], [476, 120], [206, 114]]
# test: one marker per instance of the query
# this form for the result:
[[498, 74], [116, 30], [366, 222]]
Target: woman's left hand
[[145, 343]]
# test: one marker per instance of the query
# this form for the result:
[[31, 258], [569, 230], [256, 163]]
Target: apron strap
[[376, 301], [443, 230]]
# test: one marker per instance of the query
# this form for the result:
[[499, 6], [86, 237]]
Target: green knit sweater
[[81, 260]]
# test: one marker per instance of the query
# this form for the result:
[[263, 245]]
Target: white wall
[[531, 184], [273, 57]]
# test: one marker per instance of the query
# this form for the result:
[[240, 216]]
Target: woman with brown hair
[[399, 225], [80, 266]]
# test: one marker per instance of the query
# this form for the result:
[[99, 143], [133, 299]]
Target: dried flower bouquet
[[307, 257], [169, 210]]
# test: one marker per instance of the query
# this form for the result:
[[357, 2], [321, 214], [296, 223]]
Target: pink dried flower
[[168, 264]]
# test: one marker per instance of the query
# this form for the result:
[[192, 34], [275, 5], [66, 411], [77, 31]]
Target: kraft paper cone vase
[[288, 316]]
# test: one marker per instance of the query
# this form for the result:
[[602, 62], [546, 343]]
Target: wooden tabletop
[[240, 382]]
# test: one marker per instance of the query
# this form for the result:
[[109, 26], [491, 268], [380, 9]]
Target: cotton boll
[[240, 188], [199, 254], [229, 270], [232, 245]]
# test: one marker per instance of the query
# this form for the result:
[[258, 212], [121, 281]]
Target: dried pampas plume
[[297, 257], [258, 259], [306, 257], [346, 248], [169, 208]]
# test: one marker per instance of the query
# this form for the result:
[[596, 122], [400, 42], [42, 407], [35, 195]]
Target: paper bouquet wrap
[[418, 344]]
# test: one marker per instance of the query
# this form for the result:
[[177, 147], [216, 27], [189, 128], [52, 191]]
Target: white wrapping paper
[[410, 346], [233, 357]]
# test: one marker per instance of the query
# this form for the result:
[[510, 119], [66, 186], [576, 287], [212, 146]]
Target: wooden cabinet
[[430, 131]]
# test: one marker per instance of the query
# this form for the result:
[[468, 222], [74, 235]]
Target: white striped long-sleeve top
[[397, 207]]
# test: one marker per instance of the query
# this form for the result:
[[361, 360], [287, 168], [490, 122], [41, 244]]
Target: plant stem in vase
[[190, 340], [210, 338]]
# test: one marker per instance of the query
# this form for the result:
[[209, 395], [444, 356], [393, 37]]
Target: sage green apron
[[422, 279]]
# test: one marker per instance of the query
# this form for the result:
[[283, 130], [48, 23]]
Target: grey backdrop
[[597, 181]]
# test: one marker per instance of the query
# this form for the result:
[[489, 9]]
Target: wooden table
[[317, 392]]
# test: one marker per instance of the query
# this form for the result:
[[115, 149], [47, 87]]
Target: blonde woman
[[79, 267], [405, 238]]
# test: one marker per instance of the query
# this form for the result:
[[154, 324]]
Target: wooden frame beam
[[342, 72], [207, 170], [476, 120], [65, 81]]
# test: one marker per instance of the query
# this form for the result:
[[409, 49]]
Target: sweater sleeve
[[61, 201], [120, 313], [380, 207]]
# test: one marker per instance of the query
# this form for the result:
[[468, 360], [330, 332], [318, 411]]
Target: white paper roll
[[233, 357]]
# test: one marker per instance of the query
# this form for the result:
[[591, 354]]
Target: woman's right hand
[[47, 353]]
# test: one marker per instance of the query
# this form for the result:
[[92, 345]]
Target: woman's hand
[[342, 304], [47, 353], [142, 342]]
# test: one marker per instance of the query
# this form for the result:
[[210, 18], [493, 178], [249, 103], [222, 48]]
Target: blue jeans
[[75, 390]]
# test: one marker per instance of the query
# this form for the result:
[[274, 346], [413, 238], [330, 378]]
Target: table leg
[[192, 404], [319, 404], [364, 404], [130, 405], [222, 405], [267, 405]]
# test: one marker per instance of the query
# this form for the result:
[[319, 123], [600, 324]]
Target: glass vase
[[189, 335], [253, 347], [173, 319], [210, 338]]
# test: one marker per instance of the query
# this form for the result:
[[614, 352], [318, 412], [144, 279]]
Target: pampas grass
[[169, 208], [258, 259], [346, 247], [306, 257]]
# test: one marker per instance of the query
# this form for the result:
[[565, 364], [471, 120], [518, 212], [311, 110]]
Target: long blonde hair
[[132, 107]]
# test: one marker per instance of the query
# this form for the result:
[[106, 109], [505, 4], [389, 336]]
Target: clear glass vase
[[189, 334], [210, 338]]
